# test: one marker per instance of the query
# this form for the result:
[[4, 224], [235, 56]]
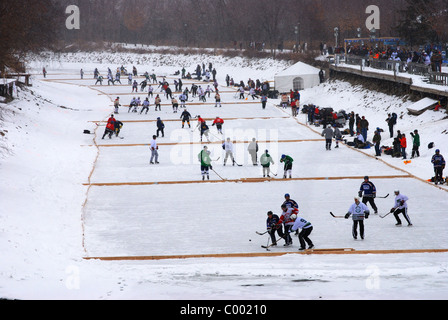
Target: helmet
[[293, 216], [437, 151], [366, 178], [287, 195], [397, 191]]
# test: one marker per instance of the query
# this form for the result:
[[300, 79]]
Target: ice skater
[[306, 228], [359, 212], [401, 206]]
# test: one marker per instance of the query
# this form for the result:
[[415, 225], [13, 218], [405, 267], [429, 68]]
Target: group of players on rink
[[291, 220]]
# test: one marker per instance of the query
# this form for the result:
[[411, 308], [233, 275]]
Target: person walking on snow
[[328, 134], [401, 206], [359, 212], [415, 144]]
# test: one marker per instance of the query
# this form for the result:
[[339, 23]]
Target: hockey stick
[[382, 217], [274, 244], [384, 196], [337, 217], [261, 234], [239, 165], [218, 175]]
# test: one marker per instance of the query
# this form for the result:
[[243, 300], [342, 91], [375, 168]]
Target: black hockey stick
[[274, 244], [239, 165], [337, 217], [384, 196], [382, 217]]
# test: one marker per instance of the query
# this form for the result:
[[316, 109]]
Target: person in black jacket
[[160, 128], [273, 227]]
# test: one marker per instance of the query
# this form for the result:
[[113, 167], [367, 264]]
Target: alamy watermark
[[373, 21], [73, 21]]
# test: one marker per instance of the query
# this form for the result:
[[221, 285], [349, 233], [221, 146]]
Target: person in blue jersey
[[273, 227], [439, 164], [290, 203], [368, 193], [359, 212]]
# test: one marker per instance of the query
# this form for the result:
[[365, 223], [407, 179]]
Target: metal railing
[[397, 67]]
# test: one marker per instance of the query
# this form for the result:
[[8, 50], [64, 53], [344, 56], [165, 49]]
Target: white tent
[[297, 77]]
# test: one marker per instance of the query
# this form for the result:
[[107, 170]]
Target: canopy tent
[[297, 77]]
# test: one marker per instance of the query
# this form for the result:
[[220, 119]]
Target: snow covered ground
[[51, 220]]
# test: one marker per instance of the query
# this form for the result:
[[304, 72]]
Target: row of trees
[[219, 23], [32, 25]]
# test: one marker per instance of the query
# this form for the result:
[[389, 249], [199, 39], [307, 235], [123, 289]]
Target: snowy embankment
[[44, 235]]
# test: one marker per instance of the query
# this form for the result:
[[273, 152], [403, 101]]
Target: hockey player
[[145, 106], [359, 212], [100, 80], [217, 100], [273, 227], [205, 130], [117, 105], [160, 128], [439, 165], [158, 101], [401, 206], [290, 203], [175, 104], [135, 86], [110, 127], [285, 219], [154, 151], [369, 190], [253, 150], [206, 163], [185, 116], [266, 161], [306, 227], [118, 125], [183, 98], [228, 147], [150, 91], [288, 161], [218, 122]]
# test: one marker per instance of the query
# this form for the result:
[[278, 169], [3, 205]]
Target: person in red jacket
[[286, 220], [403, 145], [218, 122], [110, 127]]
